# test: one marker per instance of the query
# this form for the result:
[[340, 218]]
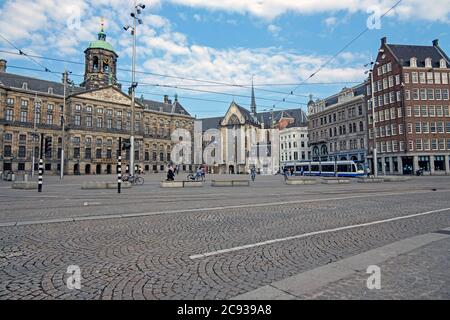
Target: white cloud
[[330, 21], [197, 17], [274, 30], [43, 31], [270, 9]]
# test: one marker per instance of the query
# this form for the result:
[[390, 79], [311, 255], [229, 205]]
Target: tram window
[[353, 167], [315, 168], [343, 168], [305, 168], [298, 168], [327, 168]]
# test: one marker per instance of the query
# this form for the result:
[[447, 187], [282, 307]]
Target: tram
[[326, 168]]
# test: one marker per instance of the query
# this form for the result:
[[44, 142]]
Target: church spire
[[253, 104]]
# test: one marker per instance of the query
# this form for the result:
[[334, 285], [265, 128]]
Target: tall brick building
[[412, 119]]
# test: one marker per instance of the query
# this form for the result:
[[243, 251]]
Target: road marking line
[[259, 244], [309, 281], [254, 205]]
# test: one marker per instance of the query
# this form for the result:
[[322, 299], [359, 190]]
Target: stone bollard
[[25, 177]]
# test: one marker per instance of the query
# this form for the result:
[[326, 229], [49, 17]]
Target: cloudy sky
[[279, 43]]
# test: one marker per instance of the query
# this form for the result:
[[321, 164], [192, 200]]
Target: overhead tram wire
[[164, 75], [340, 51], [22, 53], [155, 94], [171, 86], [152, 93], [203, 85]]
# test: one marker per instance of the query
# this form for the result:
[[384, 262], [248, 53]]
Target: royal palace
[[85, 121]]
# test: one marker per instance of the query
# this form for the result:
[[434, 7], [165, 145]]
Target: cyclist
[[170, 174], [199, 174]]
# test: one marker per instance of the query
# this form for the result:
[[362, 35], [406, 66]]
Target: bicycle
[[195, 177], [136, 180]]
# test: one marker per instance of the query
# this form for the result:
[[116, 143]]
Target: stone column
[[416, 164], [391, 166], [447, 164], [400, 165], [383, 165], [432, 165]]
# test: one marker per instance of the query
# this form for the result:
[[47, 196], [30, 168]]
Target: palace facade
[[96, 115]]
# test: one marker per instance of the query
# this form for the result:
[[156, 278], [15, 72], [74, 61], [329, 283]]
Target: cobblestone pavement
[[420, 274], [148, 257]]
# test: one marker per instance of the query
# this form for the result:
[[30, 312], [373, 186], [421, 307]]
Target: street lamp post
[[137, 9], [37, 103], [374, 134], [63, 125]]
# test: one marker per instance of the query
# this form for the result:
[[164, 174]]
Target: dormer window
[[25, 86], [428, 63], [413, 62], [50, 90], [443, 64]]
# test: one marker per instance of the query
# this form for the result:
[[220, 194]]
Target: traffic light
[[126, 144], [48, 145]]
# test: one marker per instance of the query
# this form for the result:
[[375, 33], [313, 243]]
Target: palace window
[[23, 116]]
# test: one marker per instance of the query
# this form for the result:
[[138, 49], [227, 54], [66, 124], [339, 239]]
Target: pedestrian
[[253, 173], [170, 174], [203, 172], [285, 173]]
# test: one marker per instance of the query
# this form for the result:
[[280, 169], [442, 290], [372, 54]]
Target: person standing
[[253, 173], [170, 174]]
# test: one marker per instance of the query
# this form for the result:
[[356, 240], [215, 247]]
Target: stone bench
[[291, 181], [25, 185], [230, 183], [370, 180], [396, 179], [335, 181], [181, 184], [104, 185]]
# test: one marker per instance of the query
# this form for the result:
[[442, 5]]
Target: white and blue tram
[[326, 169]]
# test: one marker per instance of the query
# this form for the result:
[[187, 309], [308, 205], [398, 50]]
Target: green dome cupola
[[101, 43], [100, 63]]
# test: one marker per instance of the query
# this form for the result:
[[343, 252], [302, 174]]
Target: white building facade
[[294, 145]]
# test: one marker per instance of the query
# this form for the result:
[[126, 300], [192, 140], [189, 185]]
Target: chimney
[[383, 41], [3, 65], [166, 99], [436, 43]]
